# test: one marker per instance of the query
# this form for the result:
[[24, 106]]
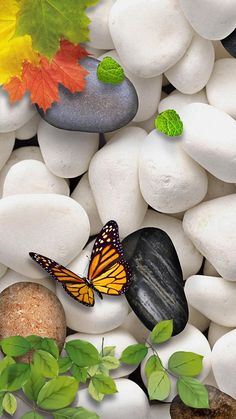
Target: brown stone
[[222, 406]]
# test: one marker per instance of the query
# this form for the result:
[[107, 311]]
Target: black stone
[[101, 107], [157, 289], [229, 43]]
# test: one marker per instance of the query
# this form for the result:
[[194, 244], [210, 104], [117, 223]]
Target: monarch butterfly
[[108, 272]]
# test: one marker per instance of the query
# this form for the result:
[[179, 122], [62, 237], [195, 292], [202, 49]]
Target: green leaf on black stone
[[162, 332]]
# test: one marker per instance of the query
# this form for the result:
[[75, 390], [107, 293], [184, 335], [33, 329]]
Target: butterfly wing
[[75, 286]]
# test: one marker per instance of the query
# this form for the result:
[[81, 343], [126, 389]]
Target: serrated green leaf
[[79, 373], [35, 341], [159, 386], [64, 364], [15, 346], [7, 360], [104, 384], [14, 377], [110, 362], [31, 415], [169, 123], [108, 351], [45, 363], [75, 413], [185, 363], [134, 354], [57, 393], [162, 332], [34, 384], [82, 353], [110, 71], [49, 345], [9, 403], [153, 364], [193, 393], [94, 393]]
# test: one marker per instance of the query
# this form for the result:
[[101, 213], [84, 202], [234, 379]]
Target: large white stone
[[209, 138], [32, 176], [177, 100], [113, 177], [221, 88], [52, 225], [66, 153], [134, 326], [191, 74], [14, 116], [216, 331], [189, 340], [29, 129], [214, 297], [149, 37], [197, 319], [170, 181], [224, 363], [218, 188], [84, 196], [7, 141], [212, 19], [211, 227], [129, 402], [12, 277], [99, 33]]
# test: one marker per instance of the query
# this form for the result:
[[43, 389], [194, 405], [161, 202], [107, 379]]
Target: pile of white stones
[[189, 182]]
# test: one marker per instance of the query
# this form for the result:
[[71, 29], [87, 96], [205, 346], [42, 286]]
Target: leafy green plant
[[169, 123], [109, 71]]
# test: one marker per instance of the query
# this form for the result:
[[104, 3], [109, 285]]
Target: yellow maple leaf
[[8, 12]]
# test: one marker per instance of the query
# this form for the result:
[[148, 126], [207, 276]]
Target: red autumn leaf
[[15, 88]]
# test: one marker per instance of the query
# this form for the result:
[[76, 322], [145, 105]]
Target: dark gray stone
[[101, 107], [157, 289], [229, 43]]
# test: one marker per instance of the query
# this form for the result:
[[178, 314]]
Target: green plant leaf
[[79, 373], [2, 394], [159, 386], [110, 71], [15, 346], [193, 393], [134, 354], [9, 403], [7, 360], [94, 393], [75, 413], [97, 369], [110, 362], [35, 341], [34, 384], [14, 377], [162, 332], [104, 384], [64, 364], [32, 415], [108, 351], [45, 363], [82, 353], [169, 123], [185, 363], [153, 364], [57, 393], [49, 345]]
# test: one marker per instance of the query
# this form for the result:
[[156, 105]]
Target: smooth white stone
[[148, 125], [211, 226], [214, 297], [66, 153], [7, 141], [220, 51], [189, 257], [160, 411], [14, 116], [29, 129], [209, 269], [99, 33], [134, 326], [84, 196], [11, 277], [190, 340], [149, 38], [212, 19], [221, 88], [113, 177], [204, 128], [33, 177], [129, 402], [218, 188], [52, 225], [105, 315], [148, 90], [170, 181], [179, 215], [178, 100], [22, 153], [197, 319], [216, 331], [3, 270], [224, 363], [191, 74], [119, 338]]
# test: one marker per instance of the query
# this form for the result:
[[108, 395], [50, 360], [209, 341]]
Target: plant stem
[[150, 346]]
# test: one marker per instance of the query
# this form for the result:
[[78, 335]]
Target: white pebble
[[12, 277], [113, 177], [134, 326], [218, 188], [197, 319], [216, 331], [66, 153], [14, 116], [177, 100], [99, 34], [149, 39], [7, 141], [29, 129]]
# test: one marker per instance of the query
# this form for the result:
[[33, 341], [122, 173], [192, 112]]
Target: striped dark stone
[[157, 289], [229, 43]]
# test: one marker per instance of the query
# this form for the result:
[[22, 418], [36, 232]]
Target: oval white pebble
[[169, 180], [66, 153], [29, 129], [177, 100], [134, 326], [12, 277], [99, 32], [216, 331], [7, 141]]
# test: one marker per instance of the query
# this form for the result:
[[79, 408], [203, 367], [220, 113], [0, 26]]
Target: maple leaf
[[8, 12], [47, 21]]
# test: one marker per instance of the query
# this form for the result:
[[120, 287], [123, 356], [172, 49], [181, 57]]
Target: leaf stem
[[150, 346]]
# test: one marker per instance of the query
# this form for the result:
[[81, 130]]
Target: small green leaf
[[110, 362], [193, 393], [8, 360], [153, 364], [82, 353], [34, 384], [134, 354], [14, 377], [159, 386], [169, 123], [57, 393], [49, 345], [31, 415], [35, 341], [9, 403], [94, 393], [109, 71], [185, 363], [97, 369], [15, 346], [45, 363], [162, 332], [74, 413], [104, 384], [2, 394], [64, 364], [79, 373], [108, 351]]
